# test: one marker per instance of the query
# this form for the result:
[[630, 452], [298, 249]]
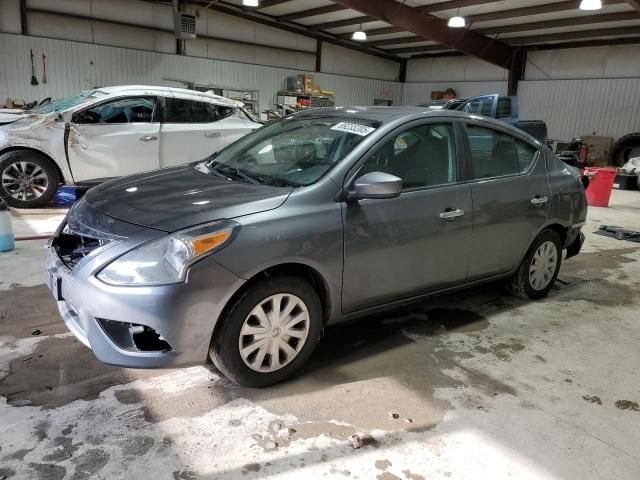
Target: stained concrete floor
[[472, 385]]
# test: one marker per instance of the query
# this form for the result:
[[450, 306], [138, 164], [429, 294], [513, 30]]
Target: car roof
[[387, 115], [178, 92]]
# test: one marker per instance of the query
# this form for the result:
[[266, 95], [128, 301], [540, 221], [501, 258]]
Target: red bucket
[[600, 185]]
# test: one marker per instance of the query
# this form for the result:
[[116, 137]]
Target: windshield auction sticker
[[355, 128]]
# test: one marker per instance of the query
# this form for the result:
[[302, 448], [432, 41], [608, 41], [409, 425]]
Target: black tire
[[225, 350], [33, 158], [520, 283]]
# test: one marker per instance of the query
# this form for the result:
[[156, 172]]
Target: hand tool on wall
[[44, 68], [34, 80]]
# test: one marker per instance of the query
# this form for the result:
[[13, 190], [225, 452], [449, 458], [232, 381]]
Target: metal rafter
[[524, 27], [435, 29], [310, 13], [635, 4], [502, 14], [271, 3], [538, 39], [299, 29], [435, 7]]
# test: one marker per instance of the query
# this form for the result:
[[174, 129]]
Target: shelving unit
[[313, 100]]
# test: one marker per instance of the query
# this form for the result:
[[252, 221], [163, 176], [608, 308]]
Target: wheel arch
[[39, 152], [293, 269], [553, 225]]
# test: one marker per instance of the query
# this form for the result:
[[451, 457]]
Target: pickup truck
[[502, 108]]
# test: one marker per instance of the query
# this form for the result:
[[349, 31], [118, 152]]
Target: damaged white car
[[110, 132]]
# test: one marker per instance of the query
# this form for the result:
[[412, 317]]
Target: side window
[[421, 156], [221, 112], [526, 155], [122, 110], [178, 110], [503, 109], [494, 154]]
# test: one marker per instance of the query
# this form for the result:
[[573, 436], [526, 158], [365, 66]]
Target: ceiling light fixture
[[359, 35], [457, 21], [250, 3], [590, 4]]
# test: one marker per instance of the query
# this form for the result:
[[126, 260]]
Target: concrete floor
[[483, 386]]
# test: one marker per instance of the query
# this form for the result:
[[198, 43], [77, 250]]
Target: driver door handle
[[538, 200], [148, 138], [451, 214], [212, 134]]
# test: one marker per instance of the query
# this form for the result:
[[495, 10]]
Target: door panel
[[113, 138], [400, 247], [511, 198]]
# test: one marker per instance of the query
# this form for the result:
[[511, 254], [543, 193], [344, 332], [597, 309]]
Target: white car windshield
[[295, 151], [68, 102]]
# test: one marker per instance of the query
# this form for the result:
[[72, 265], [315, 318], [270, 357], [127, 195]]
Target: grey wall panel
[[75, 66], [571, 108]]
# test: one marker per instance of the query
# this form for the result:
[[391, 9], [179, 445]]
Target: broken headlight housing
[[166, 260]]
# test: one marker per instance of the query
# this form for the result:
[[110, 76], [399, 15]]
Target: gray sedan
[[244, 257]]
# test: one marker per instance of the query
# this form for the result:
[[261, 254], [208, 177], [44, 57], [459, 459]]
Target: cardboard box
[[599, 150], [307, 81]]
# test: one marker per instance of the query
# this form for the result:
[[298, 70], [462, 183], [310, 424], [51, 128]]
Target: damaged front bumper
[[140, 326]]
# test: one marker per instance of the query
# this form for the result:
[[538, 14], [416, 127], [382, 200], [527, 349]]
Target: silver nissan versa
[[244, 257]]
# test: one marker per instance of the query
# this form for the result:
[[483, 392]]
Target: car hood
[[9, 115], [180, 197]]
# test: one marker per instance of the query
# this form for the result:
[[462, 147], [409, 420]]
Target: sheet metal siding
[[571, 108], [76, 66], [417, 93]]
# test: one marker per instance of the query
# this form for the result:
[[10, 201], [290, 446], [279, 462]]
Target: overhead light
[[359, 35], [590, 4], [250, 3], [457, 22]]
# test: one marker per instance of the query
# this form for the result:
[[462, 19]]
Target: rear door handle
[[537, 200], [212, 134], [451, 214], [148, 138]]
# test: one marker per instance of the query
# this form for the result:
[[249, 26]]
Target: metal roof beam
[[635, 4], [523, 27], [435, 29], [310, 13]]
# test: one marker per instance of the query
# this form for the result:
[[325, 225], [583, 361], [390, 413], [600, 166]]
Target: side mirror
[[376, 185]]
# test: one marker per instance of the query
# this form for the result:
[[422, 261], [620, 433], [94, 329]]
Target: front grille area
[[72, 247]]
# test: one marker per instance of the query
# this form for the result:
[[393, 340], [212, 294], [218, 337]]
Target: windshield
[[68, 102], [295, 151]]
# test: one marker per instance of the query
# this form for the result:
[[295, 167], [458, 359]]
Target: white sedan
[[110, 132]]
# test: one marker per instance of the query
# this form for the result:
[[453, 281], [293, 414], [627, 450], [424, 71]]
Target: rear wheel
[[539, 269], [268, 333], [28, 179]]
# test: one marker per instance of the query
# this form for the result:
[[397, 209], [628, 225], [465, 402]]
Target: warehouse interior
[[461, 380]]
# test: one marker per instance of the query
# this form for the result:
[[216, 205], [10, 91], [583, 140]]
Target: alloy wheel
[[274, 332], [24, 180], [543, 265]]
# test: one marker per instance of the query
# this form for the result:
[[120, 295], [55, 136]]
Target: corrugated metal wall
[[75, 66], [608, 107], [417, 93]]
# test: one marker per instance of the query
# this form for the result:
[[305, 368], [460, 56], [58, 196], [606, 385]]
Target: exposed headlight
[[166, 260]]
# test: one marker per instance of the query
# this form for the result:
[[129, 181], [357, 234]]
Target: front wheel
[[268, 332], [28, 179], [539, 269]]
